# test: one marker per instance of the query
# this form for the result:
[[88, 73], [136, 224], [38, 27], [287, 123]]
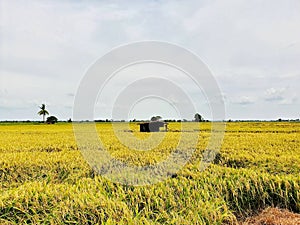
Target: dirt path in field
[[273, 216]]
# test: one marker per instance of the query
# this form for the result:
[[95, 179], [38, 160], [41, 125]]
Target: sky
[[252, 48]]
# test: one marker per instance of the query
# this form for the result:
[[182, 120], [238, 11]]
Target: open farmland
[[45, 179]]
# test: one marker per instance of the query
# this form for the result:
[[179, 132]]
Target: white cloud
[[289, 101], [243, 100], [281, 96], [273, 94], [252, 47]]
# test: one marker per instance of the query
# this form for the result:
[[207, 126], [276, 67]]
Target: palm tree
[[43, 112]]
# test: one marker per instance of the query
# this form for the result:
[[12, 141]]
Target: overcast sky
[[251, 47]]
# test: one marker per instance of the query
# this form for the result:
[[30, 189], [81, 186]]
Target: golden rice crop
[[45, 179]]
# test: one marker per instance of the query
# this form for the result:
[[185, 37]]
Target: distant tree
[[198, 117], [155, 118], [69, 120], [51, 120], [43, 112]]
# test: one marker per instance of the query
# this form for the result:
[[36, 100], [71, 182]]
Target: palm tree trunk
[[44, 118]]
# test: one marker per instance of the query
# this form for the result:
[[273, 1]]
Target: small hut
[[152, 126]]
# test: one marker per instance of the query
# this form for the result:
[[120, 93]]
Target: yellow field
[[45, 179]]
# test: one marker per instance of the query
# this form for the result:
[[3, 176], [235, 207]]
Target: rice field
[[44, 178]]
